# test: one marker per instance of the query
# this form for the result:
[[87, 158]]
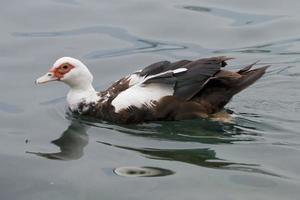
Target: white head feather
[[79, 77]]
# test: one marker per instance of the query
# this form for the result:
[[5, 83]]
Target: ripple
[[280, 47], [144, 46], [140, 45], [240, 18], [260, 125], [132, 171]]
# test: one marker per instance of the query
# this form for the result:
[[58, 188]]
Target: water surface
[[47, 153]]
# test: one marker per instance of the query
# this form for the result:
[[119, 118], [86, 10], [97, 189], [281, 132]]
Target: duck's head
[[70, 71]]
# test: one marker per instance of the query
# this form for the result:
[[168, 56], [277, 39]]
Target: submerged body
[[161, 91]]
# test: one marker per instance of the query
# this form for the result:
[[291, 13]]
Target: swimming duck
[[161, 91]]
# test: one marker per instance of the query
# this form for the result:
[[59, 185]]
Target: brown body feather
[[193, 97]]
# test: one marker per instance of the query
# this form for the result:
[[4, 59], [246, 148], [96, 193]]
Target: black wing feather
[[187, 83], [155, 68], [162, 66], [199, 71]]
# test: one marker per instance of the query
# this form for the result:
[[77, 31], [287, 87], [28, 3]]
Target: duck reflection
[[75, 138], [71, 143], [202, 157]]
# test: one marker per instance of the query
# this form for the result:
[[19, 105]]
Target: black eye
[[65, 67]]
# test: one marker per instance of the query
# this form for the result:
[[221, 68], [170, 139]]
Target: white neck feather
[[79, 95]]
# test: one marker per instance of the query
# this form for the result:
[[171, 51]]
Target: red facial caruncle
[[61, 70]]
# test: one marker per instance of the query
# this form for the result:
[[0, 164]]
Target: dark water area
[[47, 153]]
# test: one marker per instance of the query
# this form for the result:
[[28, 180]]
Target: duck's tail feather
[[221, 88], [248, 77]]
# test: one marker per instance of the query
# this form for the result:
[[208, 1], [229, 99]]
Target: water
[[46, 153]]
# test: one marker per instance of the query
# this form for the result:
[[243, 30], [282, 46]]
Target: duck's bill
[[46, 78]]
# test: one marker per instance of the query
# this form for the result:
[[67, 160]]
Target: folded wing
[[182, 79]]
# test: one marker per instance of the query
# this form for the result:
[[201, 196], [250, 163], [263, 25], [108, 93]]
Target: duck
[[162, 91]]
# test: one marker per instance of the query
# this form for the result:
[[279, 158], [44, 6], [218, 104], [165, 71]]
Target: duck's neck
[[83, 94]]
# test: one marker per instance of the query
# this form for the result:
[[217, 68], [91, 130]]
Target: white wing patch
[[179, 70], [137, 79], [139, 95]]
